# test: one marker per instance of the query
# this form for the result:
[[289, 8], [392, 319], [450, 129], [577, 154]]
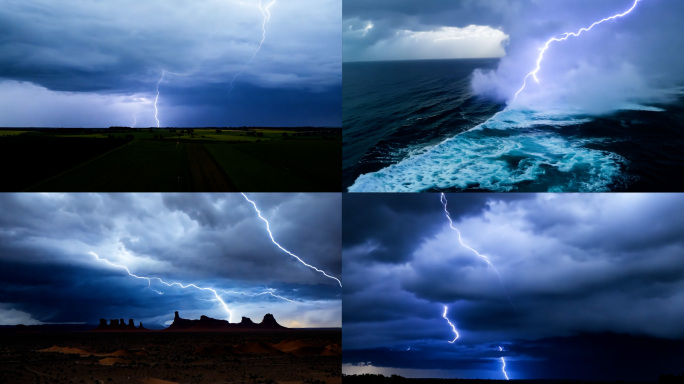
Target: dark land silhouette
[[203, 350], [396, 379], [122, 159]]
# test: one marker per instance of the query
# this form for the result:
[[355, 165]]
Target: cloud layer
[[118, 49], [213, 240], [571, 265]]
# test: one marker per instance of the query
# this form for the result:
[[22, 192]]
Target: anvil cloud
[[76, 63], [581, 270], [212, 240]]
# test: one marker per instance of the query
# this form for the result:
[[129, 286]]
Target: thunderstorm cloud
[[97, 63], [50, 275], [569, 271]]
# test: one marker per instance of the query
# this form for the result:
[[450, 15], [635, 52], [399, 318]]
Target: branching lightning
[[564, 37], [503, 362], [149, 282], [268, 228], [266, 13], [443, 199], [453, 327], [268, 291]]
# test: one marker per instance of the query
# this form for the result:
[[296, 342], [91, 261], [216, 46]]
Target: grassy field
[[10, 133], [31, 158], [255, 160], [297, 165], [141, 166]]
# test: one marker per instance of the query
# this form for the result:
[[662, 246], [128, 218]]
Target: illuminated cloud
[[443, 43], [581, 269], [118, 49], [214, 241]]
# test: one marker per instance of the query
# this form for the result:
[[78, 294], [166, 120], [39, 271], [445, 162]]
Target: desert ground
[[305, 356]]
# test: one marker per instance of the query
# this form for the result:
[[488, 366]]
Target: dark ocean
[[416, 126]]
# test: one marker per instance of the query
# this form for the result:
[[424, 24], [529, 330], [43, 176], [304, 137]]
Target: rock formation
[[118, 325], [205, 323]]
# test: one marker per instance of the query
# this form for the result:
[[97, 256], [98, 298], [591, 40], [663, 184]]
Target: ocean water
[[414, 126]]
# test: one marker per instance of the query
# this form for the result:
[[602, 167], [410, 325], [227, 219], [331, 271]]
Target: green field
[[254, 160], [10, 133]]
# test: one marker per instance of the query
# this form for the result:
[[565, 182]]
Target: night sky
[[595, 281], [48, 273], [621, 64], [97, 63]]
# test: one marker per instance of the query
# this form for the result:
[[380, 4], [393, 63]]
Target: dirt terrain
[[290, 357]]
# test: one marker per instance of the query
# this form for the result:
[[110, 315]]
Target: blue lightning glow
[[443, 199], [268, 291], [268, 228], [156, 99], [266, 13], [564, 37], [453, 327], [149, 283], [503, 369]]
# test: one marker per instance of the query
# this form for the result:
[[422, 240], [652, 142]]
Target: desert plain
[[293, 356]]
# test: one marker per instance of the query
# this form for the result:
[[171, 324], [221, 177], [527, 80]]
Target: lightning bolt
[[149, 283], [453, 327], [268, 291], [503, 362], [156, 99], [268, 228], [443, 200], [564, 37], [266, 13]]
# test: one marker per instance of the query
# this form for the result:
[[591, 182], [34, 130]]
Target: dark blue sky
[[49, 272], [595, 284], [97, 64]]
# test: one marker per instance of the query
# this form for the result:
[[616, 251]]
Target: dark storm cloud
[[212, 240], [569, 264], [250, 105], [395, 223], [116, 51]]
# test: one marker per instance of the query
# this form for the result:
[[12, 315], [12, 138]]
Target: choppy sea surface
[[414, 126]]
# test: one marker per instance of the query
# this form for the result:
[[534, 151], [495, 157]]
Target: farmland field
[[163, 160]]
